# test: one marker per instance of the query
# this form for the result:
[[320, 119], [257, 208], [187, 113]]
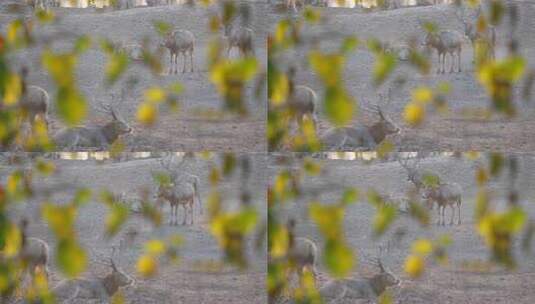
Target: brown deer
[[445, 42], [179, 41], [179, 191], [101, 288], [351, 290], [364, 137], [97, 136], [444, 195]]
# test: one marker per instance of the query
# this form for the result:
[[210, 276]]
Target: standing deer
[[413, 174], [179, 191], [487, 37], [179, 41], [445, 42], [302, 102], [444, 195], [35, 103], [367, 137], [102, 289], [351, 290], [240, 37], [304, 254], [95, 137]]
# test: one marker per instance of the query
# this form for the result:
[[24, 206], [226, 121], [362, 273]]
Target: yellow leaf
[[13, 90], [279, 242], [155, 95], [414, 114], [147, 113], [414, 266], [13, 241], [422, 247], [154, 247], [422, 95], [147, 266]]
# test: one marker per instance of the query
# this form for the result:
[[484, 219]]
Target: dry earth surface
[[196, 278], [462, 280]]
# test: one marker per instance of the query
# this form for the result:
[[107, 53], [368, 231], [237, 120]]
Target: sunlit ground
[[102, 3], [104, 155], [371, 3]]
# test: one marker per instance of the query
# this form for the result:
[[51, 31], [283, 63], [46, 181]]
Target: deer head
[[385, 278], [120, 277], [413, 174], [385, 126], [117, 126]]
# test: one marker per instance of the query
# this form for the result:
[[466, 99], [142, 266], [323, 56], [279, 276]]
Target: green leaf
[[339, 106], [117, 64], [71, 258], [72, 107], [117, 216], [338, 258], [384, 217]]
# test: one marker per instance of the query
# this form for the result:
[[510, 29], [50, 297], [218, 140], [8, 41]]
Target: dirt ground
[[453, 131], [185, 130], [458, 282], [196, 278]]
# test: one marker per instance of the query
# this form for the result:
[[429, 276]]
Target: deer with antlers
[[181, 190], [357, 289], [97, 136], [445, 42], [368, 137], [487, 36], [443, 194], [101, 288]]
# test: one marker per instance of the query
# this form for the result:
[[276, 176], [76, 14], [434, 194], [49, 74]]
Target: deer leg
[[170, 70], [185, 214], [452, 63], [438, 210], [459, 59], [459, 207], [439, 63], [191, 59], [185, 60], [176, 63], [452, 213]]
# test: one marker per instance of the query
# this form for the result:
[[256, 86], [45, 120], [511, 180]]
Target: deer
[[488, 36], [413, 174], [96, 136], [240, 37], [101, 288], [35, 252], [179, 41], [368, 137], [444, 194], [303, 254], [35, 103], [181, 191], [445, 42], [352, 289]]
